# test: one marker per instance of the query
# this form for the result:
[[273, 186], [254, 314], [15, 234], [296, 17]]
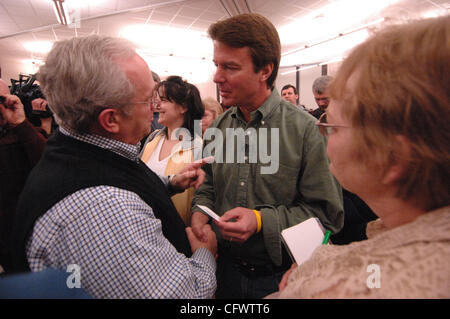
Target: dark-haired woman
[[168, 150]]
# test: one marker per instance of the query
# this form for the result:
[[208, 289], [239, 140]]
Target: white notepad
[[302, 239]]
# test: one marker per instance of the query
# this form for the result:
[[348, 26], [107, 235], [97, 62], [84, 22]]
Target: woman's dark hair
[[185, 94]]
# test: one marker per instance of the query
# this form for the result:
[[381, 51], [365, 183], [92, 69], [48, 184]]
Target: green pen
[[327, 237]]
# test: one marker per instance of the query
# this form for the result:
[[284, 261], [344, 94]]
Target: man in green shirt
[[255, 194]]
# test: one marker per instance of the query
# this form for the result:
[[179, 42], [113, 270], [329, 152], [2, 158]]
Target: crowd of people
[[124, 195]]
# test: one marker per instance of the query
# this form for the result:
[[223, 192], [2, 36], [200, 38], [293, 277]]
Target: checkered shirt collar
[[123, 149]]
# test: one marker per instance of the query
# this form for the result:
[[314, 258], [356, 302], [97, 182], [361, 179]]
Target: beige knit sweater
[[409, 261]]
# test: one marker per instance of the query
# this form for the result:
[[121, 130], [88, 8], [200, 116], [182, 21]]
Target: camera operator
[[35, 105], [21, 146], [46, 119]]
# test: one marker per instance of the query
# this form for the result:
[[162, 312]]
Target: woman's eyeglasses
[[324, 128]]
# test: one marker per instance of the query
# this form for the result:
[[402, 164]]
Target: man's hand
[[12, 110], [39, 104], [243, 226], [198, 221], [190, 176], [210, 243]]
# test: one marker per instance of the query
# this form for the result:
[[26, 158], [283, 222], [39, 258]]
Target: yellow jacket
[[180, 156]]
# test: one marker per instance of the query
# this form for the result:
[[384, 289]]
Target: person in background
[[319, 89], [155, 104], [47, 124], [167, 151], [21, 147], [212, 111], [388, 143], [356, 213], [155, 107], [256, 204], [91, 202], [289, 93]]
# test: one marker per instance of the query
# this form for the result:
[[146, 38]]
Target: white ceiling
[[23, 21]]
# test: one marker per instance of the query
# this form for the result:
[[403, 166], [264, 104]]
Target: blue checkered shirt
[[116, 241]]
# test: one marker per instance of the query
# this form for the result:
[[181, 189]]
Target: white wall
[[207, 89], [11, 68]]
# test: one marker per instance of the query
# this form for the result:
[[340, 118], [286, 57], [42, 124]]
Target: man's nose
[[218, 77], [155, 106]]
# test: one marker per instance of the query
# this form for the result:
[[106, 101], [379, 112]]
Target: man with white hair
[[102, 214]]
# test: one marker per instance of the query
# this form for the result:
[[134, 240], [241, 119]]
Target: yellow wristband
[[258, 220]]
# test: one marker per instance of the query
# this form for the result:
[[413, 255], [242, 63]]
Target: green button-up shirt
[[280, 167]]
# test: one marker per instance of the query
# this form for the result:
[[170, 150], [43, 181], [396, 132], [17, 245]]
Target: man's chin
[[227, 102]]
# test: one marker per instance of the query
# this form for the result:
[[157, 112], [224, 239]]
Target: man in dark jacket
[[103, 215]]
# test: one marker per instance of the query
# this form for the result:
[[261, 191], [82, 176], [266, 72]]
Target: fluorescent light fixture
[[336, 37], [193, 70], [434, 13], [235, 7], [326, 50], [80, 4], [306, 67], [41, 47], [330, 48], [61, 12], [334, 17], [163, 40]]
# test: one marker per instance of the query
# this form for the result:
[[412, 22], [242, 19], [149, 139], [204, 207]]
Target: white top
[[157, 166]]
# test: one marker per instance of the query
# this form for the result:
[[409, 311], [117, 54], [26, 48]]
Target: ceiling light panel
[[332, 18]]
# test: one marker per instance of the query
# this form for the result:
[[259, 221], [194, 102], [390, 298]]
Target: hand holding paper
[[208, 211], [238, 224]]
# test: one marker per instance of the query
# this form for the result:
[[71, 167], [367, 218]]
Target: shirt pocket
[[278, 188]]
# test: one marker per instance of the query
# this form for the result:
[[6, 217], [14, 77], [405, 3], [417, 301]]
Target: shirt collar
[[128, 151], [269, 105]]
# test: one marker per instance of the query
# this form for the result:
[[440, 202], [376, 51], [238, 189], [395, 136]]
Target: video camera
[[27, 91]]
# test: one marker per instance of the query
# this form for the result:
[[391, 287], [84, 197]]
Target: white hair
[[321, 84], [81, 77]]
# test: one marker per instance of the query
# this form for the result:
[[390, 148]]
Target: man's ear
[[109, 120], [266, 71], [398, 168]]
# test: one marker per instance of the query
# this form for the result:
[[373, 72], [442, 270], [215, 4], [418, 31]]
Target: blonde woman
[[212, 110]]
